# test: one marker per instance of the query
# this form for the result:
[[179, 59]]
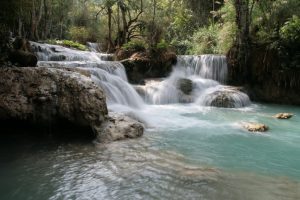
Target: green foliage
[[68, 43], [162, 45], [181, 46], [288, 47], [79, 33], [205, 40], [290, 31], [135, 45], [216, 37], [213, 39], [268, 17]]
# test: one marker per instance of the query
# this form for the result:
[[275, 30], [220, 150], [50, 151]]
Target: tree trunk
[[154, 10], [20, 25], [242, 39], [36, 16], [125, 27], [110, 46]]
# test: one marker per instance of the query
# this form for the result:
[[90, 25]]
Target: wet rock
[[222, 99], [185, 85], [143, 65], [21, 53], [255, 127], [22, 44], [48, 95], [283, 115], [119, 127], [227, 97], [140, 90], [23, 58]]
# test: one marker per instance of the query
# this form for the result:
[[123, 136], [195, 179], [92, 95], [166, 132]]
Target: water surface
[[187, 152]]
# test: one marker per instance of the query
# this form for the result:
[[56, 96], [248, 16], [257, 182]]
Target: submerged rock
[[185, 85], [255, 127], [283, 115], [119, 127], [45, 95]]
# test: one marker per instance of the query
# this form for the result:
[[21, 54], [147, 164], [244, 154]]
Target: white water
[[205, 66], [204, 71], [109, 75], [48, 52], [95, 47]]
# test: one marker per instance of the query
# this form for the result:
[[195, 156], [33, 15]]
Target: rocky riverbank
[[43, 96]]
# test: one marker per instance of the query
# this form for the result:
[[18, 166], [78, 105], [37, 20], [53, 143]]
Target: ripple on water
[[134, 169]]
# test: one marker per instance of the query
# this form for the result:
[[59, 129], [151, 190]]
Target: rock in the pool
[[119, 127], [185, 85], [283, 115], [255, 127]]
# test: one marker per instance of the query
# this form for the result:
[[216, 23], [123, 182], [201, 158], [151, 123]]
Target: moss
[[69, 43]]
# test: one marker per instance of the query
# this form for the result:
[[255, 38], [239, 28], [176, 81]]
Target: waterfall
[[116, 89], [195, 79], [205, 66], [95, 47], [206, 73], [109, 75], [48, 52]]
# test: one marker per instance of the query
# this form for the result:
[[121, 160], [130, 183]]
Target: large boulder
[[60, 96], [23, 58], [144, 65], [119, 127], [21, 53], [45, 95], [227, 97], [222, 99]]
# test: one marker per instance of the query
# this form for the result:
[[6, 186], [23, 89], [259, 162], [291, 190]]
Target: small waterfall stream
[[109, 75]]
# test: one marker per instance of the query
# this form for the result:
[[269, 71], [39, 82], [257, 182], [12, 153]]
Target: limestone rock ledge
[[48, 95], [119, 127]]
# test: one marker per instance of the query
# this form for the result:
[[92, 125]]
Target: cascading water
[[48, 52], [204, 72], [95, 47], [205, 66], [203, 75], [110, 75]]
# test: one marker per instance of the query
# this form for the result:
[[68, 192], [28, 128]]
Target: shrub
[[181, 47], [162, 45], [79, 33], [204, 40], [290, 31], [135, 45]]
